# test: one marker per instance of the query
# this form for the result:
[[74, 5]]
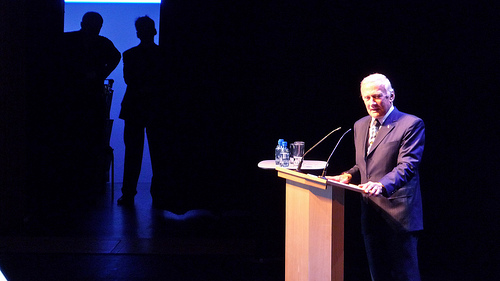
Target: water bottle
[[277, 152], [285, 155]]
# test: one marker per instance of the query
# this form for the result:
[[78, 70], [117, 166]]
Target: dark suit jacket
[[87, 61], [143, 74], [393, 160]]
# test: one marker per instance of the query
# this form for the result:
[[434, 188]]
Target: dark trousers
[[84, 145], [133, 136], [392, 255]]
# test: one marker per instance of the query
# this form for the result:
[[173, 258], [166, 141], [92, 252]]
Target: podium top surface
[[312, 180], [306, 165]]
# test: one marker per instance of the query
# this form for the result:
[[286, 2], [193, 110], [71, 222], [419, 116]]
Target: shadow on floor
[[109, 242]]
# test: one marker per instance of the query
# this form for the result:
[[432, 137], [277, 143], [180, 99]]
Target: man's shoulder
[[141, 49], [72, 35], [398, 115], [405, 120], [131, 50], [134, 52], [105, 40]]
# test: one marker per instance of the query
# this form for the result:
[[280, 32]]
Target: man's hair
[[379, 79], [92, 18], [145, 25]]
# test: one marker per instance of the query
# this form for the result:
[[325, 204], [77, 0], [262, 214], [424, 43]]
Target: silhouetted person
[[141, 107], [87, 60]]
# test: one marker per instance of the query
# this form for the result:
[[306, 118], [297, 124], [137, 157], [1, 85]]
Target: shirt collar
[[382, 119]]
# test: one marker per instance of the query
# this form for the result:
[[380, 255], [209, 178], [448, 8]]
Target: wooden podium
[[314, 235]]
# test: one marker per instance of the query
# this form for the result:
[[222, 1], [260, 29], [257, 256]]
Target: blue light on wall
[[115, 1]]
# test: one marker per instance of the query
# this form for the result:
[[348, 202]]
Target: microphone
[[328, 160], [302, 160]]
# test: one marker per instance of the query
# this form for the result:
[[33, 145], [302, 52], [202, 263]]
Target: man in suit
[[389, 146], [140, 107], [87, 59]]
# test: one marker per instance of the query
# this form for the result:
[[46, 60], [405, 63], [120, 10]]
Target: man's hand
[[344, 178], [372, 188]]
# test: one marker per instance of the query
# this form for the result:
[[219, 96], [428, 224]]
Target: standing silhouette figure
[[87, 60], [141, 110]]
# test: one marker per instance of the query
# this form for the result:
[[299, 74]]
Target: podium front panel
[[314, 236]]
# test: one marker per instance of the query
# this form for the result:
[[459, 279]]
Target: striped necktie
[[375, 126]]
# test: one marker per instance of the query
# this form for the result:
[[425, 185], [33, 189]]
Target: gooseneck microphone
[[328, 160], [303, 156]]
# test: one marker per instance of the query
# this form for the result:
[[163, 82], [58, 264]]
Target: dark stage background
[[246, 73]]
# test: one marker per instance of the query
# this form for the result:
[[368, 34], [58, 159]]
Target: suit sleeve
[[409, 158]]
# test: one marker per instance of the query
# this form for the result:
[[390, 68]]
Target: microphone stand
[[328, 160], [302, 160]]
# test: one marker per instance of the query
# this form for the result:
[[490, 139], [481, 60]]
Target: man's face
[[376, 99]]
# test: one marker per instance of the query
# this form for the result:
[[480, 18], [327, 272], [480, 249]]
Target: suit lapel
[[384, 130], [382, 133]]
